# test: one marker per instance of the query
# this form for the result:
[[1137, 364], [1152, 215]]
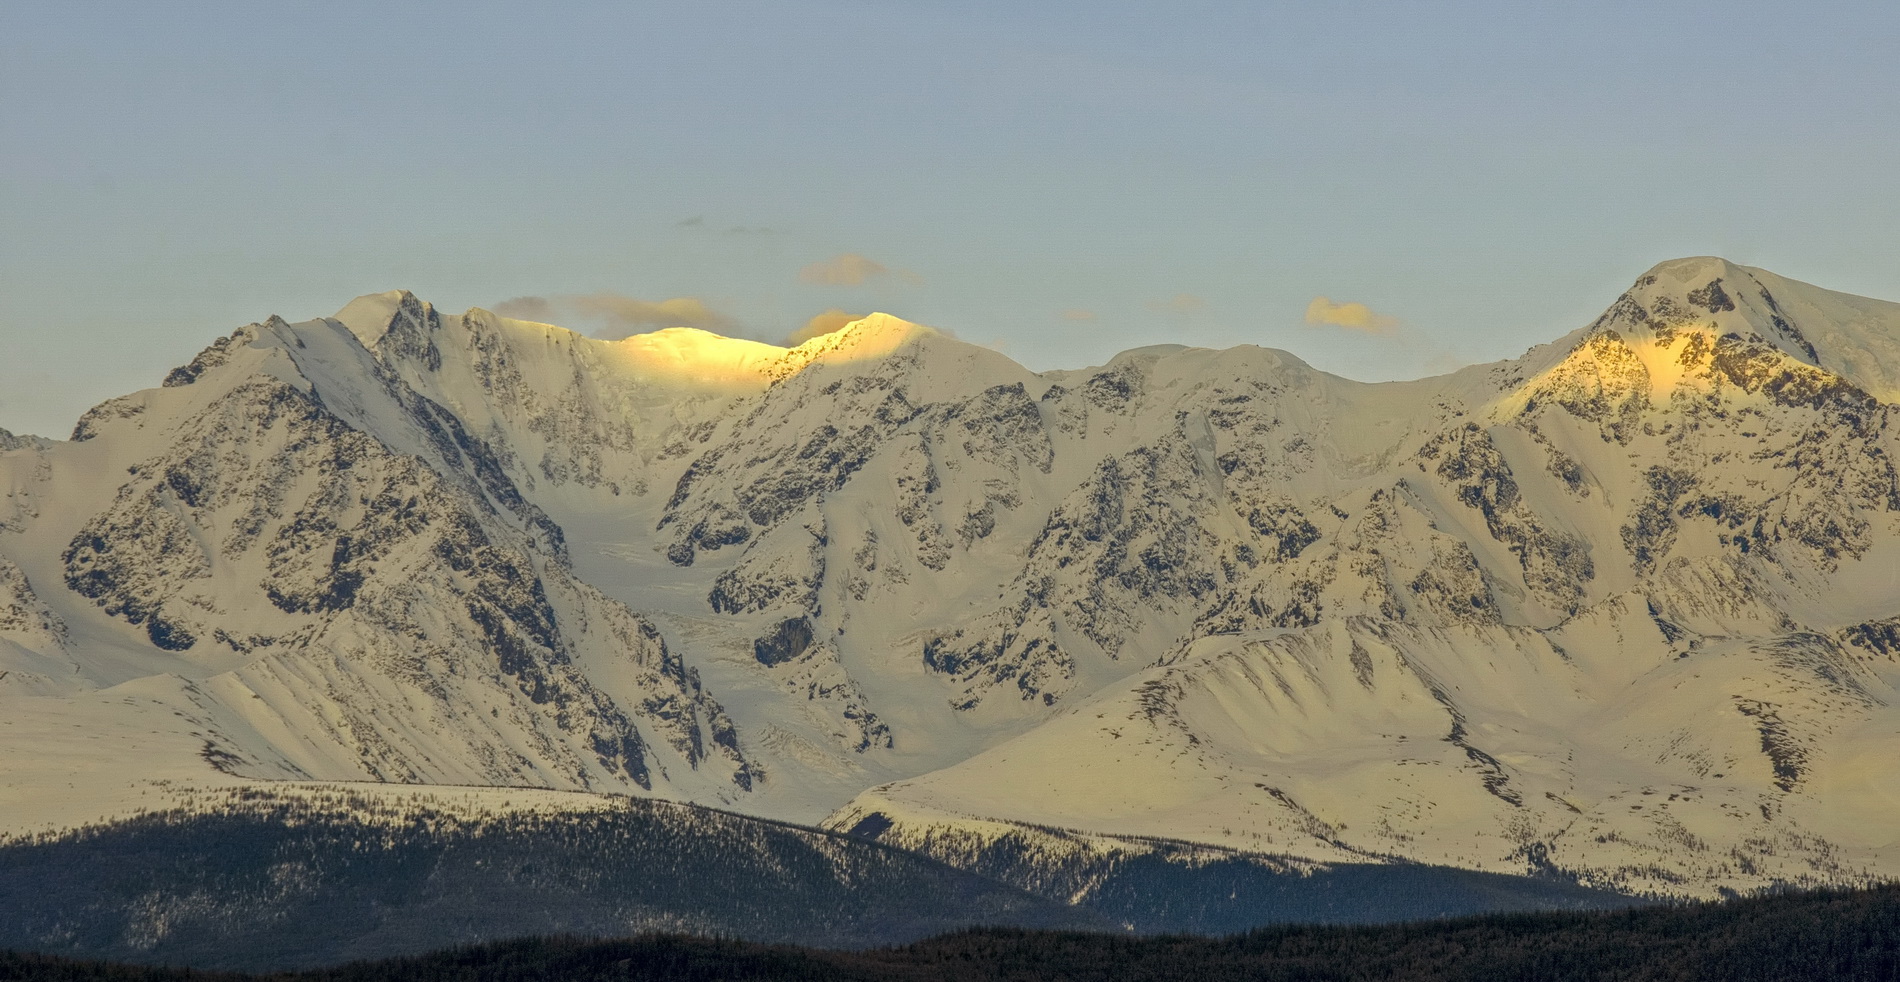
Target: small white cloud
[[619, 316], [537, 309], [1180, 303], [626, 316], [851, 269], [1077, 314], [1352, 316]]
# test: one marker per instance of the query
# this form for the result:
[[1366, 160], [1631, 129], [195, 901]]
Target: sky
[[1387, 190]]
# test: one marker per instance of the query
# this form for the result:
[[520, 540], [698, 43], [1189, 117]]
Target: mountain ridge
[[886, 572]]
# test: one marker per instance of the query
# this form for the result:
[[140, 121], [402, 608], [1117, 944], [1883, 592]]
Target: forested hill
[[1834, 935], [285, 880]]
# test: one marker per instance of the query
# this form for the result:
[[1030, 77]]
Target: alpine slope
[[1624, 610]]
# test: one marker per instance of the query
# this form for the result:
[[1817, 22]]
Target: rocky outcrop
[[24, 618], [336, 565]]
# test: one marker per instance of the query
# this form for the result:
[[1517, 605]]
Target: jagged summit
[[20, 441], [1854, 337], [683, 355], [872, 337], [371, 316]]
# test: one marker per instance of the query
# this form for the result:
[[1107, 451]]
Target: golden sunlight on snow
[[690, 354], [693, 357]]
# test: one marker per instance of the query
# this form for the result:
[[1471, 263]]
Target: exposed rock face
[[787, 641], [25, 620], [344, 543], [1617, 610], [22, 441]]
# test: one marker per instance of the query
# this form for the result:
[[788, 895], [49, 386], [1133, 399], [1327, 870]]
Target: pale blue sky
[[1489, 174]]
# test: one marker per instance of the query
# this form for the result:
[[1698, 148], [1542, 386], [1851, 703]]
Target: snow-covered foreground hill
[[1625, 609]]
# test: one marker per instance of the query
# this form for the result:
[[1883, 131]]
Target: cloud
[[618, 316], [844, 269], [851, 269], [1078, 314], [698, 223], [1180, 303], [625, 316], [538, 309], [1443, 362], [1351, 316], [825, 323]]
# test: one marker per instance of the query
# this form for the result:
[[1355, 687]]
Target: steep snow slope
[[1624, 608]]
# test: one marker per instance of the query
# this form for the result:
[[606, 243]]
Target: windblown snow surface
[[1625, 609]]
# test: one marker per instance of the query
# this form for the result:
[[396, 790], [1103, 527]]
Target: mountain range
[[1622, 612]]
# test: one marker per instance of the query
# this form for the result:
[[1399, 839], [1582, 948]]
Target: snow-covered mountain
[[1624, 609]]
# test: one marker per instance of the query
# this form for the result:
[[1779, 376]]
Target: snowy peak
[[690, 356], [1853, 337], [372, 316], [1724, 298], [871, 338], [404, 332], [1706, 329]]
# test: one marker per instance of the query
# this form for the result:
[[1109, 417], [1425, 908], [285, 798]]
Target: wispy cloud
[[625, 316], [851, 269], [825, 323], [1077, 314], [538, 309], [1352, 316], [698, 223], [619, 316], [1180, 303]]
